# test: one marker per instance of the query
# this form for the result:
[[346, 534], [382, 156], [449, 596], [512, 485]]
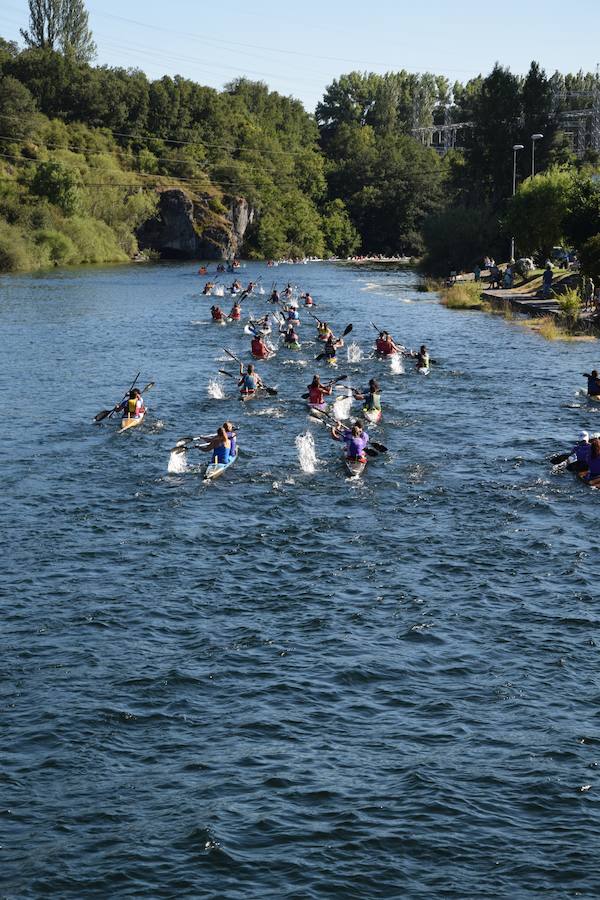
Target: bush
[[589, 257], [16, 254], [94, 240], [60, 247], [570, 307]]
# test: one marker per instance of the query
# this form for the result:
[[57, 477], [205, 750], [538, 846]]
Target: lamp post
[[516, 149], [534, 138]]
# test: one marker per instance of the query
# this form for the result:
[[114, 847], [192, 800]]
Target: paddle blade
[[102, 415], [272, 392], [319, 357], [148, 387], [230, 374], [379, 447], [559, 458], [370, 451], [347, 330]]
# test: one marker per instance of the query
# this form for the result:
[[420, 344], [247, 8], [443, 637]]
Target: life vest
[[583, 451], [594, 467], [593, 386], [315, 394], [135, 407], [330, 350], [222, 454], [235, 313], [217, 315], [423, 361]]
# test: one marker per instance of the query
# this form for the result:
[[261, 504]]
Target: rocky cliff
[[187, 227]]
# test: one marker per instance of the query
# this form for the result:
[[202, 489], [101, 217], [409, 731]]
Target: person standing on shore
[[547, 278]]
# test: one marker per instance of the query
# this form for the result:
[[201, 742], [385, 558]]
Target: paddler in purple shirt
[[355, 439]]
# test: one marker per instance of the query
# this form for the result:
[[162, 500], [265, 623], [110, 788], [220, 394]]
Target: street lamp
[[534, 138], [516, 149]]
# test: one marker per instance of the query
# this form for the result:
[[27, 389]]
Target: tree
[[537, 213], [58, 184], [589, 257], [539, 113], [341, 237], [17, 106], [582, 220], [460, 236], [60, 25]]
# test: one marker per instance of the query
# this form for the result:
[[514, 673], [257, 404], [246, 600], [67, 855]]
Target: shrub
[[570, 307], [94, 240], [16, 254], [60, 247], [589, 257]]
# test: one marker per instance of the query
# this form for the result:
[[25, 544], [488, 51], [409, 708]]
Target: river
[[288, 684]]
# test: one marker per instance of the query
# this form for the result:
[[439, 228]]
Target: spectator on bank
[[477, 272], [547, 278], [508, 278]]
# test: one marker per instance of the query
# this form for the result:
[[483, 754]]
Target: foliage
[[60, 25], [59, 184], [582, 219], [61, 249], [570, 307], [589, 257], [341, 237], [537, 213], [459, 237]]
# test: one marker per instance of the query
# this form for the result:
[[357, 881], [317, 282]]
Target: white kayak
[[355, 467]]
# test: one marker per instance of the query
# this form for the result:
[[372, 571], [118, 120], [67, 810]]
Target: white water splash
[[219, 291], [215, 390], [397, 365], [259, 290], [307, 455], [354, 353], [271, 411], [177, 463], [341, 407]]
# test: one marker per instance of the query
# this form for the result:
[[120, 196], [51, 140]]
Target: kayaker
[[274, 298], [290, 338], [231, 434], [323, 330], [249, 381], [423, 357], [207, 289], [384, 345], [220, 267], [292, 314], [236, 311], [288, 290], [202, 270], [355, 439], [317, 392], [220, 446], [258, 348], [332, 345], [593, 381], [579, 460], [308, 300], [236, 287], [371, 397], [217, 314], [593, 475], [133, 407]]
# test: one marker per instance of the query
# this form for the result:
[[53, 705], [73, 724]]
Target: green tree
[[17, 107], [582, 220], [458, 237], [60, 25], [589, 257], [54, 181], [341, 237], [537, 213]]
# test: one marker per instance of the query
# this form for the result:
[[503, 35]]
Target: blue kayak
[[215, 469]]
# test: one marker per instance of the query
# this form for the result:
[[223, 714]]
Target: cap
[[583, 436]]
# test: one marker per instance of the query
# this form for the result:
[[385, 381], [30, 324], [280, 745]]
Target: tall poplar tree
[[60, 25]]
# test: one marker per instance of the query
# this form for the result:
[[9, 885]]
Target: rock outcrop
[[187, 227]]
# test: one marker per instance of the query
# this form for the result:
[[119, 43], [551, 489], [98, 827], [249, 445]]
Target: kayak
[[215, 469], [424, 370], [294, 346], [372, 415], [594, 397], [355, 467], [222, 321], [268, 356], [331, 361], [593, 483], [320, 406], [249, 395], [253, 330], [130, 422]]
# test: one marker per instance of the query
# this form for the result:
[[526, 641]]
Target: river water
[[287, 683]]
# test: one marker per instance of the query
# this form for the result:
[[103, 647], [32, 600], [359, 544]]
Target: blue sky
[[299, 49]]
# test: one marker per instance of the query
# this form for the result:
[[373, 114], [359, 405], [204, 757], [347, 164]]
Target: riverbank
[[552, 318]]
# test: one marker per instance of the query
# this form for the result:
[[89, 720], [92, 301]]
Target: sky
[[298, 50]]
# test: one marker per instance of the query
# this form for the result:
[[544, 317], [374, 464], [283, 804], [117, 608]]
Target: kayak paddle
[[108, 412]]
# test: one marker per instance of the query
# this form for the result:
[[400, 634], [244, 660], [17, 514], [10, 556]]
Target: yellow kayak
[[130, 422]]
